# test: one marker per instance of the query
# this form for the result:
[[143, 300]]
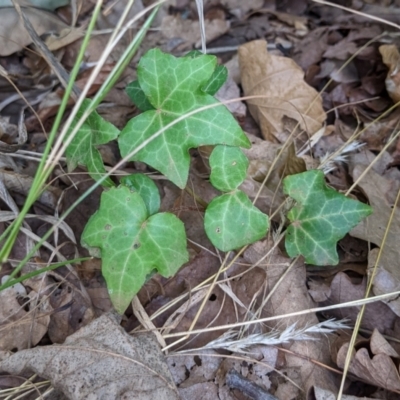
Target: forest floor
[[255, 324]]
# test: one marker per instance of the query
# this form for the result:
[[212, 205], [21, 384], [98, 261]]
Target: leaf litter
[[359, 93], [96, 360]]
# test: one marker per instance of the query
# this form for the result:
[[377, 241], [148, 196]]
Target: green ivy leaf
[[231, 221], [173, 87], [218, 78], [133, 244], [136, 94], [321, 217], [82, 149], [228, 167], [147, 189]]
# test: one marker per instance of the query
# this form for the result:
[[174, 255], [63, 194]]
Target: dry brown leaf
[[208, 369], [43, 50], [203, 390], [220, 309], [261, 156], [50, 104], [90, 275], [20, 140], [309, 50], [377, 134], [113, 12], [14, 37], [20, 329], [343, 289], [379, 369], [249, 368], [291, 295], [296, 7], [380, 165], [65, 37], [379, 345], [230, 90], [391, 58], [203, 368], [45, 4], [173, 27], [100, 361], [240, 7], [69, 298], [21, 184], [381, 193], [297, 21], [387, 277], [339, 71], [293, 164], [341, 50], [285, 93]]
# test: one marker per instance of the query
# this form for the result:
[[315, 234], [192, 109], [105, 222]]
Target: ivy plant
[[321, 217], [133, 243], [231, 220], [176, 87], [179, 112], [83, 148]]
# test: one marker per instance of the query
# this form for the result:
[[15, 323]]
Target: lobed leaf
[[136, 94], [321, 217], [82, 149], [218, 78], [132, 244], [146, 188], [173, 86]]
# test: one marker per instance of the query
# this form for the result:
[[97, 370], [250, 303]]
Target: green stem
[[12, 282], [41, 176], [115, 74]]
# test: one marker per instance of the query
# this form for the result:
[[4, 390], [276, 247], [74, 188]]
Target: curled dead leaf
[[285, 94]]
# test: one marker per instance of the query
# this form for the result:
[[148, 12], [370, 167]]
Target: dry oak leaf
[[375, 364], [100, 361], [285, 93]]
